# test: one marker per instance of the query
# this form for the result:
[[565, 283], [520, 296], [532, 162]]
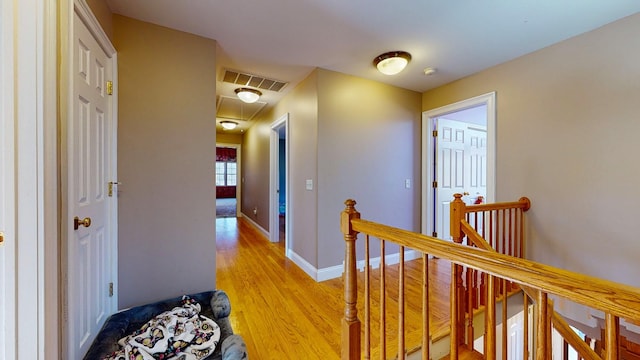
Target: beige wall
[[166, 152], [229, 138], [567, 137], [354, 138], [368, 145], [103, 13]]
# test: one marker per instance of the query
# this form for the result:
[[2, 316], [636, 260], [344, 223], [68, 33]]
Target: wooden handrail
[[619, 299], [523, 203]]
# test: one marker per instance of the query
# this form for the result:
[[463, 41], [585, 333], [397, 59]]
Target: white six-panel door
[[461, 152], [90, 169]]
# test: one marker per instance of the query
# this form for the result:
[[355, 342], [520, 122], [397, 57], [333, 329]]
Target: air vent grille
[[244, 79]]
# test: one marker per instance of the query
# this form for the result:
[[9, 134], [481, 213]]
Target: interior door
[[90, 169], [460, 168]]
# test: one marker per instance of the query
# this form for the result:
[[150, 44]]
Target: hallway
[[282, 313]]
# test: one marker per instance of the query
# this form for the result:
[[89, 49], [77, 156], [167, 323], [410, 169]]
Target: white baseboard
[[303, 264], [255, 225], [333, 272]]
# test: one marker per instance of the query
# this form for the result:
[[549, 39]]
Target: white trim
[[428, 119], [336, 271], [274, 199], [8, 318], [238, 148], [303, 264], [255, 225]]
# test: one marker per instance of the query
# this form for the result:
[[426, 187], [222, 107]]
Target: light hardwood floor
[[284, 314]]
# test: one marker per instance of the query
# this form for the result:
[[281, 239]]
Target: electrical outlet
[[255, 211], [407, 183]]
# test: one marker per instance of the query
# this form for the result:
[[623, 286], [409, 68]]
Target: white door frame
[[81, 9], [28, 98], [238, 148], [428, 145], [274, 199]]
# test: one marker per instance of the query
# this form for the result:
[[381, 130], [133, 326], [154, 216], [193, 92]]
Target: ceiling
[[285, 40]]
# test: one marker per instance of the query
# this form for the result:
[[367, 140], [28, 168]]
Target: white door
[[91, 168], [460, 167]]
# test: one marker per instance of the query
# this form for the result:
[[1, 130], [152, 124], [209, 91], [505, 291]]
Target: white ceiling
[[286, 39]]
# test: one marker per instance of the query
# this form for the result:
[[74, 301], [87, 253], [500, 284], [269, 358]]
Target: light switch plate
[[407, 183], [309, 184]]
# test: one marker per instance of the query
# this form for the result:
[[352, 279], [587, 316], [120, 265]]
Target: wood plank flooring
[[284, 314]]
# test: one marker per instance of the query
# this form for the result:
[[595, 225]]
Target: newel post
[[350, 321], [457, 214]]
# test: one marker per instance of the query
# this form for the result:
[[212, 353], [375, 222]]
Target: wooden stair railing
[[615, 300], [503, 224]]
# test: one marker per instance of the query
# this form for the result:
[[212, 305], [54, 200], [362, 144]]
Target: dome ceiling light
[[393, 62], [248, 95], [228, 125]]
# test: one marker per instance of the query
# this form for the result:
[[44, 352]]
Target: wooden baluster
[[367, 301], [505, 332], [550, 311], [350, 322], [426, 315], [510, 250], [611, 336], [383, 303], [525, 325], [543, 326], [455, 336], [470, 296], [401, 350], [457, 214], [490, 319], [565, 350], [527, 206]]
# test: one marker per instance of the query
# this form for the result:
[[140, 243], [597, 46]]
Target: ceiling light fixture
[[391, 63], [228, 125], [248, 95]]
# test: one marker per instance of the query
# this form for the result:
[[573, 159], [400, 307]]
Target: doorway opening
[[458, 156], [228, 193], [279, 199]]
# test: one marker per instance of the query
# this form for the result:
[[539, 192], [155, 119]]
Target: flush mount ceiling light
[[228, 125], [392, 62], [248, 95]]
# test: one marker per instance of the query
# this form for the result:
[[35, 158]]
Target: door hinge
[[434, 184], [435, 133], [434, 234], [110, 289], [109, 87]]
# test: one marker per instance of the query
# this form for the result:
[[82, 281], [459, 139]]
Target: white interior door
[[461, 152], [91, 167]]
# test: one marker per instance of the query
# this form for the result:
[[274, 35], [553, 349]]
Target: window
[[226, 173]]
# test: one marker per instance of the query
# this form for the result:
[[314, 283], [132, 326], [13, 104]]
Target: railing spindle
[[383, 302], [426, 315], [367, 301], [543, 327], [612, 336], [525, 325], [490, 320], [401, 306], [505, 332]]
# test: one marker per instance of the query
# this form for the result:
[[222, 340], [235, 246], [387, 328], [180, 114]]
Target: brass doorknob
[[86, 222]]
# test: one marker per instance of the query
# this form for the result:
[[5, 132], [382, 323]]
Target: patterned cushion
[[215, 305]]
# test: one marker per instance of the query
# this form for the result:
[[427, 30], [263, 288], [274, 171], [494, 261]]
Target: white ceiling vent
[[258, 82]]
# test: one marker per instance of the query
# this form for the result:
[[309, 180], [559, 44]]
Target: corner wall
[[166, 156]]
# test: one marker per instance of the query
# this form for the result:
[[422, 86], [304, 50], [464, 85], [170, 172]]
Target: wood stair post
[[350, 322], [457, 214]]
